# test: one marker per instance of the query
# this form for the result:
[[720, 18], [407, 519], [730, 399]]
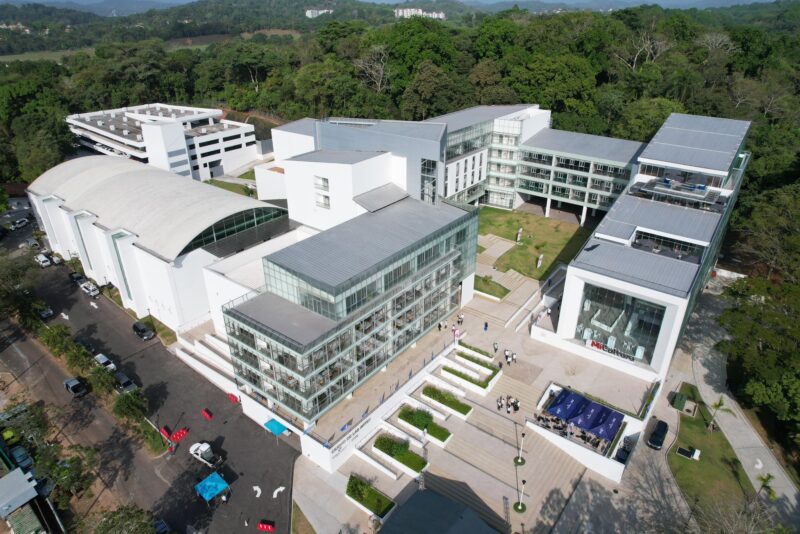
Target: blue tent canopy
[[570, 405], [211, 486], [590, 415], [275, 426], [608, 429]]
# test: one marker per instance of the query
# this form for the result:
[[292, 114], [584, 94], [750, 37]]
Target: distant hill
[[105, 8], [541, 6]]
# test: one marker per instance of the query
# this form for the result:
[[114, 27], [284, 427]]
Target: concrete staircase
[[496, 425]]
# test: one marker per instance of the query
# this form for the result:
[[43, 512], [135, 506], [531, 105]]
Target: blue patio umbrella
[[275, 427], [211, 486]]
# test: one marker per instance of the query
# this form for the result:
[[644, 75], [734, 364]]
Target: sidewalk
[[709, 368]]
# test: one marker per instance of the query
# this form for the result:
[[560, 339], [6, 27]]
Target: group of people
[[509, 403], [511, 357], [459, 322]]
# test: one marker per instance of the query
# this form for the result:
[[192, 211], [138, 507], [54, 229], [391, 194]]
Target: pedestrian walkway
[[710, 375]]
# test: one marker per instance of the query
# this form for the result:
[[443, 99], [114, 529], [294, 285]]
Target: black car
[[124, 383], [78, 278], [75, 387], [143, 331], [658, 435]]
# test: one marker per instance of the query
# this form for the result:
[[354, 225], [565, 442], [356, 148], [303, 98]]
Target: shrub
[[399, 451], [478, 361], [424, 421], [478, 382], [447, 398], [363, 492], [152, 438], [475, 349], [57, 338], [102, 381], [78, 359], [130, 406]]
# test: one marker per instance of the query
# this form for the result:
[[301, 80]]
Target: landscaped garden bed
[[423, 420], [482, 383], [485, 284], [399, 451], [367, 496], [445, 398]]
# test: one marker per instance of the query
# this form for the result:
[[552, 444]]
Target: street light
[[519, 506], [519, 460]]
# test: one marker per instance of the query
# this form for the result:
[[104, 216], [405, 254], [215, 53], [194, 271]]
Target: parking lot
[[176, 395]]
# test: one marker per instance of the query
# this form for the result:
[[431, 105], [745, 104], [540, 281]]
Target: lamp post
[[519, 460], [519, 506]]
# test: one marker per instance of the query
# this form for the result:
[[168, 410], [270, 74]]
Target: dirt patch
[[271, 31]]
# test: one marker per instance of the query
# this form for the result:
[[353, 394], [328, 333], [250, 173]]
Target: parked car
[[19, 223], [33, 244], [204, 453], [103, 361], [55, 259], [10, 437], [76, 387], [44, 312], [42, 261], [87, 345], [124, 383], [78, 278], [21, 457], [658, 435], [90, 289], [143, 331]]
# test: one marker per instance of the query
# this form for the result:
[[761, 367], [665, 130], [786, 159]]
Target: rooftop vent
[[99, 123], [124, 119], [204, 130], [138, 123], [112, 128], [124, 132], [138, 137]]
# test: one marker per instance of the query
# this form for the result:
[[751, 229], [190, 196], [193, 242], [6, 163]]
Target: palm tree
[[766, 486], [718, 406]]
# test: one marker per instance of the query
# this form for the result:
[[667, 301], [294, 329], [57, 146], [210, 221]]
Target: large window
[[238, 222], [427, 186], [321, 184], [323, 201], [619, 324]]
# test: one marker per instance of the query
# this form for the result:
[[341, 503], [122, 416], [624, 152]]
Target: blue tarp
[[212, 486], [608, 429], [569, 405], [276, 427]]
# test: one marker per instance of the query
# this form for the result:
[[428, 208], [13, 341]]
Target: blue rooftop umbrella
[[211, 486]]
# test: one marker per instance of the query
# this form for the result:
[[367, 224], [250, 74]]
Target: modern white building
[[408, 12], [188, 141], [314, 13], [146, 231], [630, 292]]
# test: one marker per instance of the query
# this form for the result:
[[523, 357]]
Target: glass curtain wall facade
[[619, 324], [232, 225], [377, 317]]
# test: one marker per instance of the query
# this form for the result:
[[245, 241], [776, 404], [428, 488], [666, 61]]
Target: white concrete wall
[[458, 181], [289, 144], [271, 185], [161, 138], [219, 291], [191, 294], [538, 120], [372, 173], [675, 308], [467, 290]]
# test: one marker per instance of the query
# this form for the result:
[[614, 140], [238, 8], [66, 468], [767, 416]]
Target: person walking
[[440, 326], [495, 346], [445, 324], [486, 326], [514, 357]]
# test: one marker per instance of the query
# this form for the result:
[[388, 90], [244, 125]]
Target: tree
[[57, 338], [556, 82], [124, 520], [725, 517], [78, 359], [102, 381], [485, 77], [765, 485], [641, 119], [717, 407], [431, 92], [373, 68], [70, 470], [130, 406], [33, 422]]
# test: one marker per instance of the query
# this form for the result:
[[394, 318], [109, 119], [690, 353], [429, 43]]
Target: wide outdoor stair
[[367, 450], [491, 456], [452, 487], [551, 473], [525, 393], [492, 320], [496, 425]]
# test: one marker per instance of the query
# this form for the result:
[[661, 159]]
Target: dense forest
[[619, 74]]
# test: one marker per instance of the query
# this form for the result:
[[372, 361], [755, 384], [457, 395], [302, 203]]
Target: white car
[[90, 289], [42, 260], [103, 361]]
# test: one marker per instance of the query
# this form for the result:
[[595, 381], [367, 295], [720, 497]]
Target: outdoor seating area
[[582, 421]]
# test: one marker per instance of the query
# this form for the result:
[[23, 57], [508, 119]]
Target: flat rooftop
[[302, 126], [346, 157], [630, 213], [330, 259], [285, 319], [476, 115], [707, 143], [590, 146], [640, 267]]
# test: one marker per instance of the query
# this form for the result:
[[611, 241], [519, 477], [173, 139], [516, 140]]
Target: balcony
[[688, 194]]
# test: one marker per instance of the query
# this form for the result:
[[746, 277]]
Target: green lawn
[[399, 450], [485, 284], [249, 175], [424, 421], [446, 398], [559, 241], [480, 249], [300, 524], [233, 188], [363, 492], [718, 475]]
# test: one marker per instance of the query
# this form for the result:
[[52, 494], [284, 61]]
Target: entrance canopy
[[212, 486], [587, 415], [275, 426]]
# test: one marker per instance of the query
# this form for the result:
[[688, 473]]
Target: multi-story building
[[408, 12], [314, 13], [187, 141], [630, 292], [338, 306]]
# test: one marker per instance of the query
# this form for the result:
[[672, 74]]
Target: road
[[177, 395]]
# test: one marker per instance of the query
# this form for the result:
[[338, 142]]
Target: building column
[[583, 215], [547, 208]]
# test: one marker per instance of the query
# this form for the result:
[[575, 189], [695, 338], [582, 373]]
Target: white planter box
[[448, 409], [475, 366], [465, 350], [466, 384], [377, 465], [414, 403], [402, 467], [431, 439], [370, 512]]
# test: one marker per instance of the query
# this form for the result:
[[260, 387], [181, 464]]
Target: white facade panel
[[289, 144], [270, 184]]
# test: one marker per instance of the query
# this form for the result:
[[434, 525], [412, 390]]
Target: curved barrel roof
[[166, 211]]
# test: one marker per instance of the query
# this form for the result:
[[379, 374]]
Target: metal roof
[[661, 273], [166, 211], [429, 512], [380, 197], [16, 489], [629, 213], [697, 141], [475, 115], [302, 126], [591, 146], [333, 257], [415, 130], [346, 157], [285, 318]]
